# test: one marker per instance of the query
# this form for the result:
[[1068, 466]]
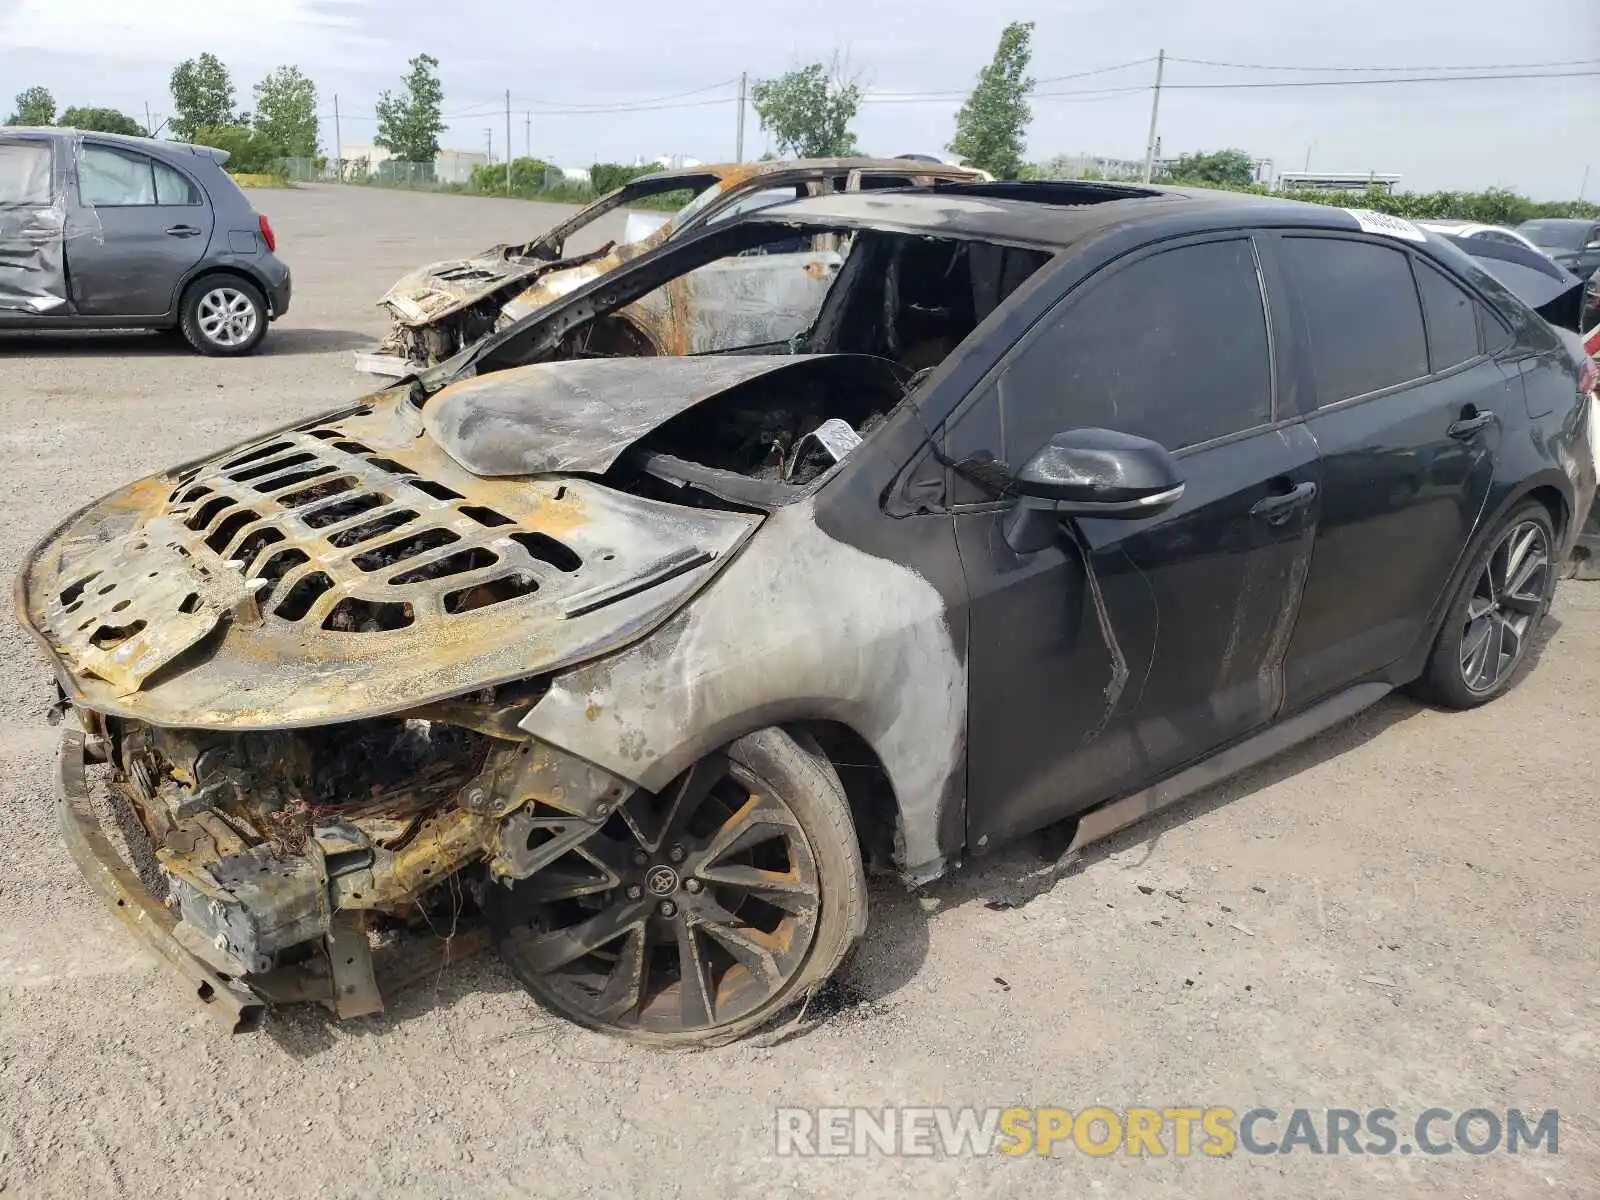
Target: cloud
[[245, 31]]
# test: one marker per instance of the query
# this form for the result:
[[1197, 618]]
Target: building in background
[[1336, 181], [449, 166]]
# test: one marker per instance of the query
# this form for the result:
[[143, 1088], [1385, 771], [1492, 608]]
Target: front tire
[[1496, 613], [223, 316], [694, 916]]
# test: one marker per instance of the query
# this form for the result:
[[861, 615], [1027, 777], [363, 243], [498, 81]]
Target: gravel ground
[[1398, 914]]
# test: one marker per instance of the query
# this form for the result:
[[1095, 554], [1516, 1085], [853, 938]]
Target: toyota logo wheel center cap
[[661, 880]]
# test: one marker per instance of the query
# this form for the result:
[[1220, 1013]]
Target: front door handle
[[1468, 427], [1275, 510], [184, 231]]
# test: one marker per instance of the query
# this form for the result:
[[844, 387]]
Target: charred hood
[[580, 416], [351, 567]]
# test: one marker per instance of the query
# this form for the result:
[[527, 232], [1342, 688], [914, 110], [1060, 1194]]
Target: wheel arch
[[206, 271], [1546, 489]]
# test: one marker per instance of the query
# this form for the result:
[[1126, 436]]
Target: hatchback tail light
[[267, 235]]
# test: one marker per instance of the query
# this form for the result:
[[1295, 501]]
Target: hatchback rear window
[[1362, 315], [1556, 235]]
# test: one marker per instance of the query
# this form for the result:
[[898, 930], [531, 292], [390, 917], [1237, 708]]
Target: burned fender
[[800, 626]]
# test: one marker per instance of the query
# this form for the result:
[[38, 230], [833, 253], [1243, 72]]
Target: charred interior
[[786, 428], [907, 302]]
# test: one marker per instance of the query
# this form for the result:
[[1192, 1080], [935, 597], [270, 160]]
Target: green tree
[[202, 96], [409, 124], [808, 111], [991, 124], [35, 106], [249, 150], [101, 120], [1234, 168], [286, 111]]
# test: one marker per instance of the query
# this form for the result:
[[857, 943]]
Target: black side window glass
[[1173, 347], [1363, 319], [1452, 319]]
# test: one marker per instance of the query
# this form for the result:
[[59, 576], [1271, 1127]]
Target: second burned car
[[1069, 500], [443, 308]]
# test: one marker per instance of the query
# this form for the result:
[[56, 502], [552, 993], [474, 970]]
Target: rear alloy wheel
[[223, 316], [695, 915], [1496, 613]]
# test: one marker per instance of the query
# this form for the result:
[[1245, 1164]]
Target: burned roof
[[727, 172], [1047, 214]]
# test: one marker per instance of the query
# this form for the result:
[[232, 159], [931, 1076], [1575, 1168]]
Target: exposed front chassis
[[259, 923], [150, 921]]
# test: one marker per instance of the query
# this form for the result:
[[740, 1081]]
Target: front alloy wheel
[[692, 915]]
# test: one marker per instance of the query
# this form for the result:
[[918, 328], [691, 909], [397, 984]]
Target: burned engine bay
[[283, 850]]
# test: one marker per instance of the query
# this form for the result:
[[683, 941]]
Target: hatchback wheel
[[223, 316], [1496, 613], [695, 915]]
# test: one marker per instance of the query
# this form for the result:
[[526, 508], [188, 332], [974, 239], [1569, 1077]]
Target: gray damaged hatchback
[[102, 231], [1070, 500]]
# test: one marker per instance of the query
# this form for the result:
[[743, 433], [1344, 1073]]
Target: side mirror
[[1091, 473]]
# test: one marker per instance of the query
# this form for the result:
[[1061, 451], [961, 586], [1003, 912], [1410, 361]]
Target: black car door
[[1405, 422], [143, 225], [1067, 708]]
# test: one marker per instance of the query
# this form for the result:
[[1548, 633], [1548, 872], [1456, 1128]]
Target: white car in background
[[1472, 229]]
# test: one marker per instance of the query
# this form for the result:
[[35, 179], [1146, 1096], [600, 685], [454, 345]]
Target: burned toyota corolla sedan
[[1071, 499]]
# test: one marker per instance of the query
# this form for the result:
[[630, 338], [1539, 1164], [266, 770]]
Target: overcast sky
[[1533, 135]]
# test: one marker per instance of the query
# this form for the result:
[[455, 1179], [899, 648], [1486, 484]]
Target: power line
[[625, 104], [1206, 62], [1285, 83], [919, 96]]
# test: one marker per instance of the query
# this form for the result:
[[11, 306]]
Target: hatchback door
[[1075, 698], [32, 228], [1407, 410], [154, 224]]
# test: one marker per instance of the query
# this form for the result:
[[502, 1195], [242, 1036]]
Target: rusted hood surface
[[581, 415], [349, 568], [442, 288]]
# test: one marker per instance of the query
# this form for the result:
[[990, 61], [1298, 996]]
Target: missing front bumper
[[148, 919]]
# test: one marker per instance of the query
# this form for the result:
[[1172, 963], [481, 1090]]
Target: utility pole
[[508, 141], [1155, 109], [738, 145], [527, 134], [338, 141], [488, 143], [1584, 186], [150, 130]]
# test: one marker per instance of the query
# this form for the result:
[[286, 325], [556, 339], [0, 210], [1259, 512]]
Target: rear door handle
[[183, 231], [1275, 510], [1466, 427]]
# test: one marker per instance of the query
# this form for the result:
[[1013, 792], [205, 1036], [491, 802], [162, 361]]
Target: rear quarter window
[[1363, 320], [1452, 318]]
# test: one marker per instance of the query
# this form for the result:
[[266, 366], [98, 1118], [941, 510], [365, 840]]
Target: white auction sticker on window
[[1377, 222]]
